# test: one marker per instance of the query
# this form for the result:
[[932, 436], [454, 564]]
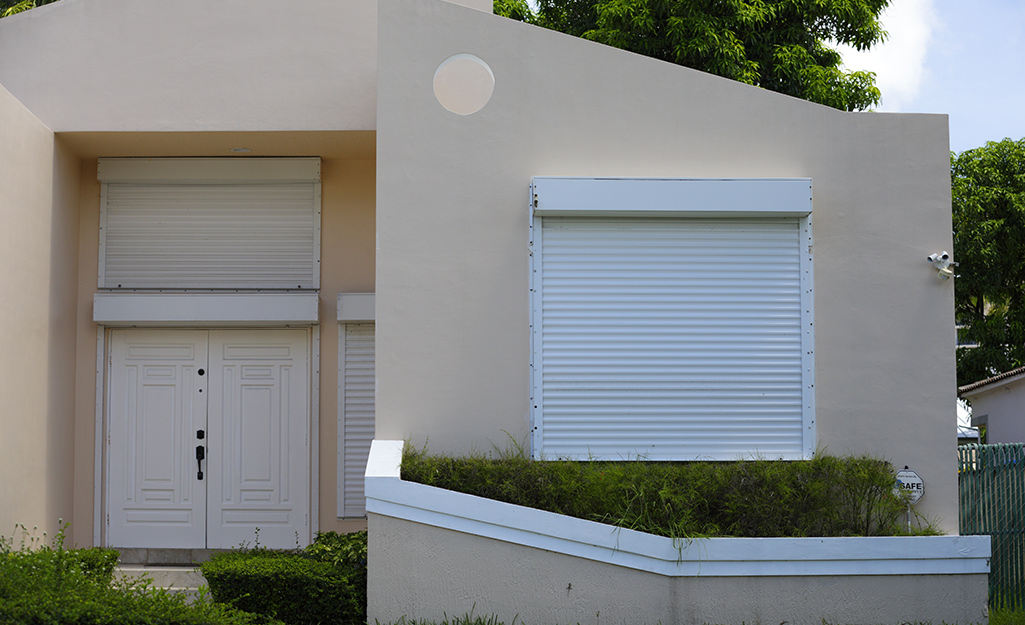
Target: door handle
[[200, 455]]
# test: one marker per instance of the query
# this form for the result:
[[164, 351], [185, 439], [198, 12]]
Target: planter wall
[[434, 553]]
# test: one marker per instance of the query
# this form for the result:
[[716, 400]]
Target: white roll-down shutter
[[672, 338], [357, 398], [253, 228]]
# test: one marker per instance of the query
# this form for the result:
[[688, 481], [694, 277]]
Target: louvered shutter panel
[[669, 339], [357, 399], [210, 236]]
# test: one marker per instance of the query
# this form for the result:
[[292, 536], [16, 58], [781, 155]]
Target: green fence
[[992, 489]]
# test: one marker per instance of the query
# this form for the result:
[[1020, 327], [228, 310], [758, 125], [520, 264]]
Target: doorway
[[208, 441]]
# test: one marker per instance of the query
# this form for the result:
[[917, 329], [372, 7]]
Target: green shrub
[[49, 585], [825, 496], [324, 584], [348, 553]]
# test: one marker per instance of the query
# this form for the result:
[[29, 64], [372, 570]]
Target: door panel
[[259, 427], [251, 401], [157, 403]]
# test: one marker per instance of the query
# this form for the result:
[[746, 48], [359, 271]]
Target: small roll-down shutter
[[258, 232], [357, 397]]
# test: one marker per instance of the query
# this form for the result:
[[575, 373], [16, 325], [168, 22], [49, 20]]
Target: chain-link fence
[[992, 490]]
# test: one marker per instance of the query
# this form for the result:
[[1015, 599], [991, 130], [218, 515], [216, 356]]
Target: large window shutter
[[672, 336]]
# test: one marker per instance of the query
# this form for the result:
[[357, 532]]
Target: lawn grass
[[1006, 616]]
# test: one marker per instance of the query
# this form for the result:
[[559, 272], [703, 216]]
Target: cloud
[[899, 63]]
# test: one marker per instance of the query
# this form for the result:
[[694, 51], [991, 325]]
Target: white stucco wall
[[37, 251], [430, 573], [452, 262], [1002, 411]]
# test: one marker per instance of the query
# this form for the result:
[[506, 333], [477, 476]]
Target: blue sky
[[965, 58]]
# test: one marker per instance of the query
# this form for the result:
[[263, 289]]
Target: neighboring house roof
[[964, 431], [996, 381]]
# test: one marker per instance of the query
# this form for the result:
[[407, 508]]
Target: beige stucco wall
[[439, 572], [197, 80], [452, 262], [347, 265], [37, 253], [119, 65], [191, 65], [1002, 411]]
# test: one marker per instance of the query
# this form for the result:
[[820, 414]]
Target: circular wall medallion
[[463, 84]]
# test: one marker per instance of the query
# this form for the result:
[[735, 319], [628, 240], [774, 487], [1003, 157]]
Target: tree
[[11, 7], [782, 45], [988, 199]]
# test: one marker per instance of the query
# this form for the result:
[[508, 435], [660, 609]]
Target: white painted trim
[[766, 197], [356, 307], [213, 170], [101, 275], [388, 495], [808, 336], [314, 425], [536, 345], [340, 418], [99, 483], [318, 209], [205, 309]]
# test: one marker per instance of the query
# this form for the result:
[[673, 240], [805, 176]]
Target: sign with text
[[909, 482]]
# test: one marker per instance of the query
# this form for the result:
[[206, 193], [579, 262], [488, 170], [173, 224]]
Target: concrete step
[[175, 578], [167, 557]]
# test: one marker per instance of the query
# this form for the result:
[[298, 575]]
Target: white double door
[[208, 438]]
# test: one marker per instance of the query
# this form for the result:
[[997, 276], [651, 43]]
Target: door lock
[[200, 455]]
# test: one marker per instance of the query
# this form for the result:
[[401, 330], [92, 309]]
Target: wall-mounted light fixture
[[943, 264]]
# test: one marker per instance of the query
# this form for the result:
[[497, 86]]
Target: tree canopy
[[783, 45], [10, 7], [988, 194]]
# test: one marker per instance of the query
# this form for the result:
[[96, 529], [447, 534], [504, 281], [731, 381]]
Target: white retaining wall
[[435, 553]]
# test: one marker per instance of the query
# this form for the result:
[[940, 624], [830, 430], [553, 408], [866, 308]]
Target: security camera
[[943, 263], [941, 260]]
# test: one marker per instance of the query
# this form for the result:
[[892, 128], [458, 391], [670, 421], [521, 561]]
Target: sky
[[965, 58]]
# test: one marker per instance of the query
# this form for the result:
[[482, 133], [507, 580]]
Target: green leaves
[[781, 45], [826, 496], [988, 202], [20, 7], [52, 585], [13, 7]]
